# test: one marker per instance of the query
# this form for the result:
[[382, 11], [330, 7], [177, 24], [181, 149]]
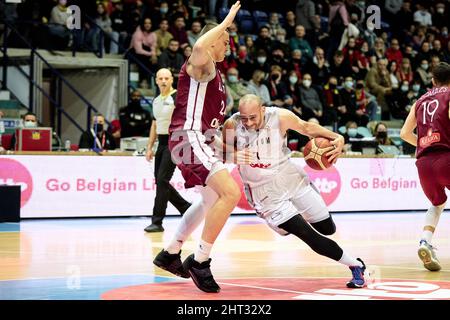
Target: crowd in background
[[323, 60]]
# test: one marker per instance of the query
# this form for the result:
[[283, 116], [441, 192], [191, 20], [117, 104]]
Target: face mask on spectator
[[445, 33], [416, 87], [275, 76], [440, 10], [404, 88], [359, 86], [99, 127], [62, 2], [232, 78], [164, 10], [293, 79], [30, 124], [424, 66], [307, 83], [382, 134], [352, 132], [348, 84], [261, 60], [242, 55], [233, 34]]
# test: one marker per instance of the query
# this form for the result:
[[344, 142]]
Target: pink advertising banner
[[93, 186]]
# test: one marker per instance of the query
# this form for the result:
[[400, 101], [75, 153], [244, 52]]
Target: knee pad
[[325, 227]]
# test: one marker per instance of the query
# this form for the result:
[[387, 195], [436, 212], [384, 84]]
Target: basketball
[[315, 154]]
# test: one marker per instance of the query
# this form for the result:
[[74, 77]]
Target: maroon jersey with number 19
[[433, 123], [433, 144]]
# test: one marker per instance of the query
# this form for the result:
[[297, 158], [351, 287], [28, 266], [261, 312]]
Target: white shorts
[[288, 194]]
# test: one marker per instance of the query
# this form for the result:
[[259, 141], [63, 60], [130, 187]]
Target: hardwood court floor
[[112, 259]]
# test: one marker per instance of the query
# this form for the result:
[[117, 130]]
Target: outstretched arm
[[200, 63], [407, 132], [288, 120]]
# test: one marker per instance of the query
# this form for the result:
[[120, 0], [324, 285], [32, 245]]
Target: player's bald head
[[250, 101]]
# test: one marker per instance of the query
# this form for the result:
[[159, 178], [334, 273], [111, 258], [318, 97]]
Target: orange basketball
[[315, 154]]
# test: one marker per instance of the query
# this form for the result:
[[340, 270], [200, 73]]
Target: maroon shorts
[[193, 156], [434, 174]]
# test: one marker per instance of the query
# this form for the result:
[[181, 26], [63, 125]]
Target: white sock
[[203, 251], [192, 218], [350, 261], [431, 220]]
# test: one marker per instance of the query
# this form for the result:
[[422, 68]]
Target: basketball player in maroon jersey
[[431, 115], [199, 111]]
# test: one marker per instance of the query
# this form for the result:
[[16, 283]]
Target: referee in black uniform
[[163, 106]]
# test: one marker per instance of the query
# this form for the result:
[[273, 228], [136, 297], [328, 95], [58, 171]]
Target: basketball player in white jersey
[[279, 189]]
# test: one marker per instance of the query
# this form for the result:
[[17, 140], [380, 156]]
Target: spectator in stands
[[298, 42], [332, 101], [440, 16], [351, 132], [274, 25], [194, 33], [296, 63], [251, 49], [277, 87], [393, 53], [277, 58], [447, 53], [244, 63], [339, 67], [404, 72], [160, 13], [119, 27], [179, 32], [379, 49], [338, 21], [135, 121], [143, 45], [187, 51], [402, 21], [236, 87], [381, 135], [97, 137], [290, 24], [172, 59], [234, 38], [437, 50], [435, 60], [263, 41], [424, 74], [280, 41], [58, 27], [424, 53], [319, 67], [163, 36], [392, 68], [104, 22], [379, 83], [261, 62], [257, 87], [305, 12], [366, 104], [422, 16], [309, 99]]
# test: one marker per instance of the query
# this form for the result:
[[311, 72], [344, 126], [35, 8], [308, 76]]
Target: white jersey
[[269, 148]]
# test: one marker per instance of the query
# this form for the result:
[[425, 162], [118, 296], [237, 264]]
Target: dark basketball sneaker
[[201, 274], [358, 276], [171, 263]]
